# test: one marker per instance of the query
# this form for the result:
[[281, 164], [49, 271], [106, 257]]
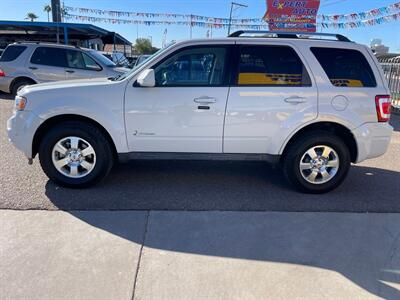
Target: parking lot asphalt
[[372, 186]]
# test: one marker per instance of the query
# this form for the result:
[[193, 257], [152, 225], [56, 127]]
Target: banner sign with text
[[292, 15]]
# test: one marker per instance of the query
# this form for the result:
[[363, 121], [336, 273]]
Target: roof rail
[[46, 43], [289, 35]]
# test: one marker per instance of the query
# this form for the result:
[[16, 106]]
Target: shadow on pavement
[[4, 96], [362, 248], [364, 252], [395, 121], [232, 186]]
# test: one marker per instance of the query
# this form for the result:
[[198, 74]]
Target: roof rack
[[289, 35], [46, 43]]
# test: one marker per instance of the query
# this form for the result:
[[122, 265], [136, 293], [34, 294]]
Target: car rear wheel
[[317, 163], [75, 154], [19, 85]]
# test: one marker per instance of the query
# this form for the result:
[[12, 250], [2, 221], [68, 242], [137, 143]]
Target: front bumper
[[21, 128], [373, 140]]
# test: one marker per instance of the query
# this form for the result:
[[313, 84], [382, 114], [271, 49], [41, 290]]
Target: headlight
[[20, 102]]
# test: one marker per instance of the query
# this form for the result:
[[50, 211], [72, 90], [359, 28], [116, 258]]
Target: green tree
[[31, 16], [47, 9], [143, 46]]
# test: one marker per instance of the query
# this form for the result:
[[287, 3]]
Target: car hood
[[64, 84]]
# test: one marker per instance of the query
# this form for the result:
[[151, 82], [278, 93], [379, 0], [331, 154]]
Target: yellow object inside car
[[347, 82], [269, 79]]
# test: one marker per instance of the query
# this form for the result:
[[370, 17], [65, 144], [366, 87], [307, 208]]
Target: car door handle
[[205, 100], [69, 71], [33, 68], [296, 100]]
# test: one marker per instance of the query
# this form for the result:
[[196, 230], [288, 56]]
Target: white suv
[[313, 105]]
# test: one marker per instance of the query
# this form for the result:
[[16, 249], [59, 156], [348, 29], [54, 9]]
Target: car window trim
[[345, 87], [33, 52], [65, 56], [227, 66], [87, 69], [236, 60], [13, 46]]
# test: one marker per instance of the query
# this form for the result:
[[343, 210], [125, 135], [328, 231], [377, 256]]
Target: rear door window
[[12, 53], [345, 67], [271, 66], [49, 57]]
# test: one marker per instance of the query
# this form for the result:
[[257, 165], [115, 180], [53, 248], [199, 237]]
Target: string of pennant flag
[[126, 14], [390, 9], [333, 18], [363, 23], [342, 25], [154, 22]]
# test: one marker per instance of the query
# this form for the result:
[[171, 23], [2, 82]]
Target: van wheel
[[19, 85], [317, 163], [75, 154]]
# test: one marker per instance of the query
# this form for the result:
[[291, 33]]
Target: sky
[[389, 33]]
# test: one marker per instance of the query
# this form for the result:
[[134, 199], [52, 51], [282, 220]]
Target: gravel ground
[[373, 186]]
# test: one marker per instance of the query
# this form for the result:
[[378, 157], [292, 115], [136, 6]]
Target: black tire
[[18, 84], [83, 130], [295, 152]]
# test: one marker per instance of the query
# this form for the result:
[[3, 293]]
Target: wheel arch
[[40, 132], [19, 78], [338, 129]]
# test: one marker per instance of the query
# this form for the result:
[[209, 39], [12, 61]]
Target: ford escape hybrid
[[312, 103]]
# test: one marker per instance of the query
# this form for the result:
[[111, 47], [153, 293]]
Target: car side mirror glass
[[147, 78]]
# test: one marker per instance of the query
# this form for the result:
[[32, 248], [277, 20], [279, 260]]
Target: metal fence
[[391, 68]]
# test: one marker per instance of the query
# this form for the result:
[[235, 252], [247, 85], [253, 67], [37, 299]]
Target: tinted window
[[345, 67], [90, 63], [141, 59], [12, 52], [193, 67], [75, 59], [271, 66], [78, 60], [104, 59], [49, 56]]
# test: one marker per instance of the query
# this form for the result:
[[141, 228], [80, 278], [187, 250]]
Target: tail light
[[383, 105], [2, 74]]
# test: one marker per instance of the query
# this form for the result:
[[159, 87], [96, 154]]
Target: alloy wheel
[[73, 157], [319, 164]]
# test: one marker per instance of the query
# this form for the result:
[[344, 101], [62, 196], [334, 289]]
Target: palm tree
[[31, 16], [47, 8]]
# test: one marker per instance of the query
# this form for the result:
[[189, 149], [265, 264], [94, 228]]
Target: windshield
[[127, 74], [142, 59], [120, 59], [102, 59]]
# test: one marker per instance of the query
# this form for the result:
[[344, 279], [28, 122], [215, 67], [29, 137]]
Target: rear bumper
[[373, 140], [5, 83]]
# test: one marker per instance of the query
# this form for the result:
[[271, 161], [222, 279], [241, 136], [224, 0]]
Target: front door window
[[193, 67]]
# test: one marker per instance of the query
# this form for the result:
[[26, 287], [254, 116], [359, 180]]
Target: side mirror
[[147, 78]]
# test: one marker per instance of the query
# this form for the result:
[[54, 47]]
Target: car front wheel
[[75, 154], [317, 163]]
